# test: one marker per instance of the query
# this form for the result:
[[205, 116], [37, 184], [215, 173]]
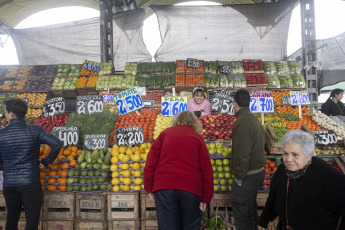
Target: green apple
[[212, 151], [225, 154], [215, 174], [230, 181], [214, 168], [215, 187], [229, 150], [222, 181], [212, 146], [226, 162], [212, 162], [227, 175], [229, 188], [219, 162], [221, 175], [208, 146], [215, 181], [227, 168], [220, 169], [219, 150], [223, 187], [219, 145]]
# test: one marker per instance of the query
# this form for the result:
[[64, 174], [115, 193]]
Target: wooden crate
[[57, 225], [58, 206], [87, 225], [148, 207], [21, 225], [124, 206], [90, 207], [271, 225], [261, 199], [222, 201], [149, 225], [124, 225], [3, 209]]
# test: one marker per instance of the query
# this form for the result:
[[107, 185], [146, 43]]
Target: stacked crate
[[123, 211], [148, 213], [91, 212], [58, 210]]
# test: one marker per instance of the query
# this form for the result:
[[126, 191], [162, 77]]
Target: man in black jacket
[[19, 160]]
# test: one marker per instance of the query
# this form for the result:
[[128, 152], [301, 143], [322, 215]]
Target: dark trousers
[[29, 196], [177, 209], [243, 200]]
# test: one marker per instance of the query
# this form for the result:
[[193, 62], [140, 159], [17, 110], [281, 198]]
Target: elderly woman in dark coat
[[306, 192]]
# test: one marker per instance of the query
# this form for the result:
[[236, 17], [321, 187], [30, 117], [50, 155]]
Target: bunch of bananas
[[273, 120]]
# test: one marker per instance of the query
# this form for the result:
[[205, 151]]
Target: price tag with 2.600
[[89, 104], [172, 106]]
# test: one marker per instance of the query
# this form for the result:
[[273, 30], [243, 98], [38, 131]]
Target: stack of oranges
[[306, 120], [81, 82], [54, 176], [277, 96], [292, 110], [92, 81]]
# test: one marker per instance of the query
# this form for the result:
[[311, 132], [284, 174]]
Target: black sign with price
[[193, 63], [68, 135], [89, 104], [95, 141], [53, 107], [286, 100], [325, 137], [225, 69], [129, 136], [222, 102]]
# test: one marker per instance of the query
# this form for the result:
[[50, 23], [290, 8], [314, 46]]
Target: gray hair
[[304, 139]]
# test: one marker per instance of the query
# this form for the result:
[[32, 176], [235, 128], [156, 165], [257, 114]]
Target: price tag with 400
[[67, 135]]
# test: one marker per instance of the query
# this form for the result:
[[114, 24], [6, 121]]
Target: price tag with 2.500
[[261, 102], [68, 135], [53, 107], [128, 101], [172, 106], [89, 104], [95, 141], [133, 135]]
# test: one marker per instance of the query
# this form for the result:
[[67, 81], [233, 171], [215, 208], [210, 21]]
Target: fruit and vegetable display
[[330, 150], [84, 71], [42, 70], [155, 96], [68, 70], [162, 122], [81, 82], [91, 172], [70, 83], [92, 81], [127, 167], [106, 69], [269, 169], [157, 81], [217, 126], [156, 67], [131, 68], [102, 82], [47, 122]]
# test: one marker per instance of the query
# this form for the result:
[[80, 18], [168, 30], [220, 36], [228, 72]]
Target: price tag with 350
[[54, 106], [128, 101]]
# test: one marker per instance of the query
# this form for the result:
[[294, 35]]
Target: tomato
[[267, 161], [271, 164], [274, 169], [267, 169], [265, 181]]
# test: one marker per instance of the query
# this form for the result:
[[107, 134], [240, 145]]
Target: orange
[[51, 180], [64, 166], [42, 181], [63, 172], [43, 174], [70, 158], [74, 149], [54, 166], [62, 187], [67, 152], [63, 180], [73, 163], [52, 173], [51, 187]]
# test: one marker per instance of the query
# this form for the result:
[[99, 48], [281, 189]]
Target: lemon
[[115, 174], [123, 149], [136, 166], [115, 146], [121, 186], [115, 181], [129, 151], [116, 188], [127, 181], [136, 157], [125, 166], [144, 157], [137, 173], [121, 155], [137, 188], [136, 147], [114, 160], [126, 173], [114, 168], [126, 158], [142, 165], [121, 180], [149, 145], [126, 188], [147, 151], [142, 186], [137, 152], [143, 146], [115, 152], [138, 181], [131, 187]]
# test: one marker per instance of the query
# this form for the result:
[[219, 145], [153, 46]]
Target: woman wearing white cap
[[199, 104]]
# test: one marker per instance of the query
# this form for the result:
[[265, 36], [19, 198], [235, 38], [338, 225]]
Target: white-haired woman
[[306, 192]]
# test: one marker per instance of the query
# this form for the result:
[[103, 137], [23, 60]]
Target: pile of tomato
[[269, 169]]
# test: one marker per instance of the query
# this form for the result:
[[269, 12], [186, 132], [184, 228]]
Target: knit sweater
[[316, 200], [179, 159]]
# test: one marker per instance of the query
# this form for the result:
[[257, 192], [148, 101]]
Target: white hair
[[304, 139]]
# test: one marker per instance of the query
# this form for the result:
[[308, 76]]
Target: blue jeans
[[29, 196], [243, 200], [177, 210]]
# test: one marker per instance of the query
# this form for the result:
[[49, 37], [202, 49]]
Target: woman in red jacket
[[178, 174]]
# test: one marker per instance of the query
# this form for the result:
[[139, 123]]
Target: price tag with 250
[[68, 135], [172, 106], [89, 104], [128, 101], [261, 102], [54, 106]]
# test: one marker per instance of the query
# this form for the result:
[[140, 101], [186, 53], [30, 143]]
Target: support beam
[[106, 27], [309, 49]]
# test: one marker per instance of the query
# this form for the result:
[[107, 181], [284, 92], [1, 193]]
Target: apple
[[227, 168], [214, 168], [220, 168], [227, 175], [221, 175], [223, 187], [226, 162], [219, 145], [212, 151], [212, 162], [219, 162], [222, 181], [207, 145], [230, 181], [229, 188], [212, 146], [215, 181], [219, 150], [215, 174], [225, 154], [215, 187]]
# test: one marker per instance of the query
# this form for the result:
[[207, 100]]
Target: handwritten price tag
[[193, 63], [325, 137], [91, 65], [89, 104], [95, 141], [68, 135], [261, 102], [172, 106], [108, 97], [53, 107], [128, 101], [299, 97], [129, 136], [225, 69], [222, 102]]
